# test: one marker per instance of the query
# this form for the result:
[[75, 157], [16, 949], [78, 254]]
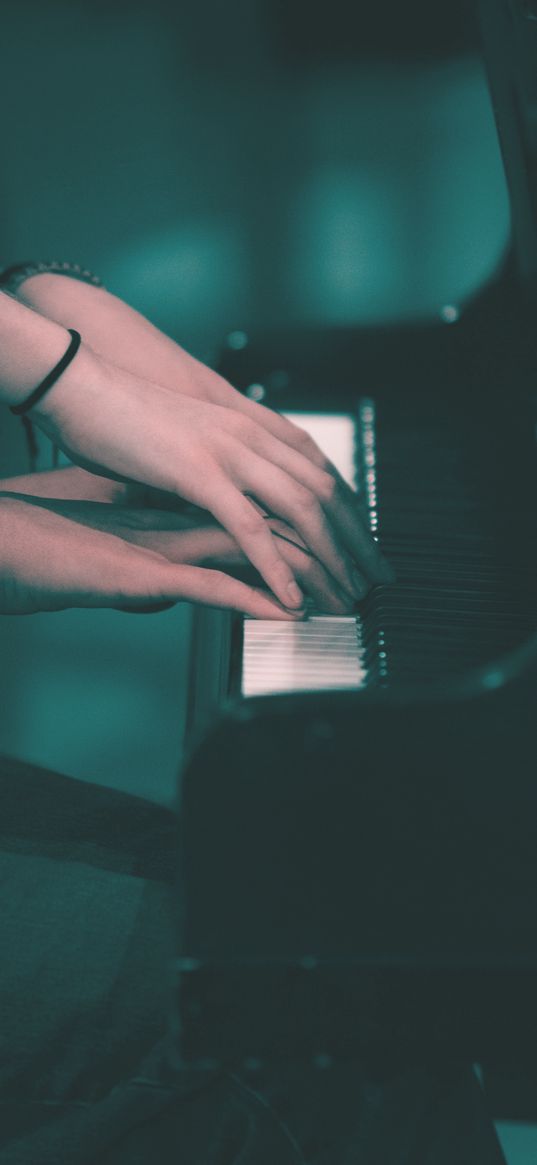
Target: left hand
[[188, 538]]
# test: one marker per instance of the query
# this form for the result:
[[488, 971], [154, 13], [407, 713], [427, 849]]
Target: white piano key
[[323, 653], [335, 434]]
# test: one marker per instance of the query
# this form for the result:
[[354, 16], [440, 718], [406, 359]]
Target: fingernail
[[295, 595]]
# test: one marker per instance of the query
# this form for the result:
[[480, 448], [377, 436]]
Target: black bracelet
[[50, 378]]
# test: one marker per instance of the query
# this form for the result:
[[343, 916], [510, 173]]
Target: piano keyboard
[[463, 594], [325, 652], [290, 806]]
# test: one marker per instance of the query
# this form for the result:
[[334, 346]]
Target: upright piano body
[[358, 804]]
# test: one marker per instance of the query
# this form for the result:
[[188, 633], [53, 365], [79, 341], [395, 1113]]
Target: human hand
[[59, 554], [187, 538], [194, 538], [333, 522], [117, 424]]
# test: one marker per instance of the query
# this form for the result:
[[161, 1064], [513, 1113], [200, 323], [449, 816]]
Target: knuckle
[[231, 422], [308, 567], [303, 498], [250, 524], [218, 579], [310, 504], [327, 487], [310, 449], [241, 426], [223, 587], [305, 442]]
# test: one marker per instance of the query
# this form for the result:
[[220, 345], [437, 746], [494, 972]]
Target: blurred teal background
[[218, 174], [217, 177]]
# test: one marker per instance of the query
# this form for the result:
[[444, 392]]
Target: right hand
[[119, 425]]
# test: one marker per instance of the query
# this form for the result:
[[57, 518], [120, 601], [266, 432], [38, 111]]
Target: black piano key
[[448, 515]]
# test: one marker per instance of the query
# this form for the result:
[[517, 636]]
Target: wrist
[[76, 385], [48, 382], [30, 345]]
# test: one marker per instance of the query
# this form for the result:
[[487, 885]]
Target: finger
[[337, 499], [221, 549], [220, 391], [198, 547], [359, 539], [315, 580], [214, 588], [299, 506], [350, 512], [147, 608], [111, 572], [280, 427], [245, 524], [53, 562], [136, 576]]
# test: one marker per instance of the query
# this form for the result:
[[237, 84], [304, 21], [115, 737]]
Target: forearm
[[111, 328], [134, 406], [30, 345]]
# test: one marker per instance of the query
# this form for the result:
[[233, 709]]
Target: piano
[[358, 802]]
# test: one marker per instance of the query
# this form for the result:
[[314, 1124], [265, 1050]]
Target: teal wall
[[215, 183]]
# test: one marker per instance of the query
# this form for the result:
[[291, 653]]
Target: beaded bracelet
[[12, 278]]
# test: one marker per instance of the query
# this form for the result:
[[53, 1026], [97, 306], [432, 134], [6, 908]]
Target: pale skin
[[136, 407], [73, 539]]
